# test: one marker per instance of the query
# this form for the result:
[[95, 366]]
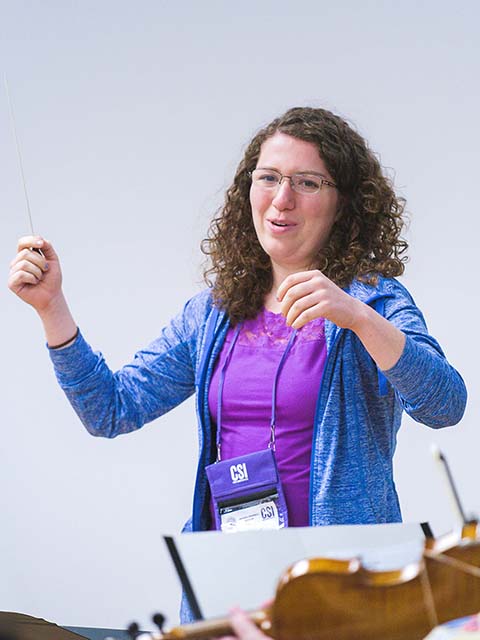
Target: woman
[[302, 300]]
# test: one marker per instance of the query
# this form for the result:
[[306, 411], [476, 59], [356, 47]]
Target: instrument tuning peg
[[159, 620], [133, 630]]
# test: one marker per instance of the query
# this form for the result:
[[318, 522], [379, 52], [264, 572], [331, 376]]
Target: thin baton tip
[[435, 451]]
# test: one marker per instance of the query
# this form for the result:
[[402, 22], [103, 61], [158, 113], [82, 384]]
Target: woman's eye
[[308, 184], [268, 177]]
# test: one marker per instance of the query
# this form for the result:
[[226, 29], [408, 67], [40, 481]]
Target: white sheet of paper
[[243, 568]]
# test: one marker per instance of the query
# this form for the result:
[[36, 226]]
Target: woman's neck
[[271, 303]]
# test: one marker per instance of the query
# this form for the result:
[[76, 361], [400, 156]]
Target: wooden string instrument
[[325, 599]]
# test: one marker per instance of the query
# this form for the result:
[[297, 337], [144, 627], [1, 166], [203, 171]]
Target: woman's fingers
[[31, 256], [19, 279], [29, 242], [39, 243], [35, 275], [292, 280], [28, 267], [300, 297], [29, 264], [316, 311], [296, 293], [303, 310], [308, 295], [301, 292], [244, 628]]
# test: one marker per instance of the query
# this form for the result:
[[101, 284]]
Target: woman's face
[[292, 227]]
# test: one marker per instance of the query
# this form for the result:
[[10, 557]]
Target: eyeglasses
[[306, 183]]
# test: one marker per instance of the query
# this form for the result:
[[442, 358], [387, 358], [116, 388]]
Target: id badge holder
[[247, 493]]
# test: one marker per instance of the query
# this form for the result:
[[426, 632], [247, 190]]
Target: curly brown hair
[[364, 242]]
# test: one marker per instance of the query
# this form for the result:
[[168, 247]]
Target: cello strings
[[460, 565], [428, 597], [19, 155]]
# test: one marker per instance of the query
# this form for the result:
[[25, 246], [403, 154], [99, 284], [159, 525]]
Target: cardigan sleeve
[[160, 377], [428, 387]]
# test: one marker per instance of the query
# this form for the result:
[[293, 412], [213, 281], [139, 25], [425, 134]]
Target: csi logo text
[[238, 472], [267, 512]]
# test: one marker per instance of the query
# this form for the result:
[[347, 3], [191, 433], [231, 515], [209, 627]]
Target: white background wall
[[115, 102]]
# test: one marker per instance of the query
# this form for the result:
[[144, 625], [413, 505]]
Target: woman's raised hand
[[307, 295], [36, 277]]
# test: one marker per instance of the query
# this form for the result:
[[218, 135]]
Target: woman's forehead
[[287, 153]]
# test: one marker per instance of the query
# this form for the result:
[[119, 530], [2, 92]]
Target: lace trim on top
[[269, 329]]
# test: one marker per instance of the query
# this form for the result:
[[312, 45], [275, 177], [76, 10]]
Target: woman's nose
[[285, 196]]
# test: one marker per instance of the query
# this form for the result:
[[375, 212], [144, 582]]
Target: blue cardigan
[[358, 410]]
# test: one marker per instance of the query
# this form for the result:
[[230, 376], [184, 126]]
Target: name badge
[[250, 516], [247, 493]]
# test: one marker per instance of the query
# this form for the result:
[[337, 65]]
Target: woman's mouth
[[280, 226]]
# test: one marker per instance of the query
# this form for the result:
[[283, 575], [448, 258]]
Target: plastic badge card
[[261, 513]]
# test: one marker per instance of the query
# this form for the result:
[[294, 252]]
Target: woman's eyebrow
[[313, 173], [303, 172]]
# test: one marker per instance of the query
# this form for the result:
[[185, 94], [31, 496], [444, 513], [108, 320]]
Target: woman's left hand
[[307, 295]]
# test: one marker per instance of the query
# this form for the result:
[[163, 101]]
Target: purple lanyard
[[273, 419]]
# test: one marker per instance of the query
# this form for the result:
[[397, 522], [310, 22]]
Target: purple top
[[247, 399]]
